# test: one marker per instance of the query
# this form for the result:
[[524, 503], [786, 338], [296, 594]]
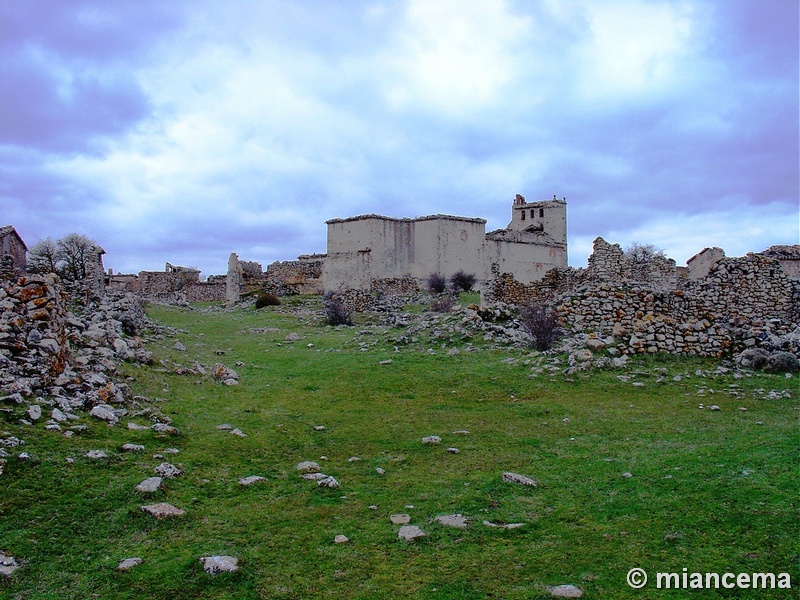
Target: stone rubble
[[219, 564]]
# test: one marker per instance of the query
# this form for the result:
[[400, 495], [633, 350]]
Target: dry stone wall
[[739, 302], [33, 334]]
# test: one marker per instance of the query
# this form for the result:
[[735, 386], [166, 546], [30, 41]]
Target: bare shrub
[[462, 282], [443, 304], [337, 312], [437, 283], [267, 299], [541, 323]]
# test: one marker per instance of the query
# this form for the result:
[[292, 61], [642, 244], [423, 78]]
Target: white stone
[[455, 520], [162, 510], [96, 454], [149, 485], [308, 466], [168, 470], [432, 439], [132, 447], [520, 479], [219, 564], [328, 482], [565, 591], [400, 519], [251, 479], [409, 533], [341, 539], [129, 563], [104, 412], [34, 412]]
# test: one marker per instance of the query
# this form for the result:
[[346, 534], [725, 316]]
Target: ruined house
[[369, 248], [13, 249]]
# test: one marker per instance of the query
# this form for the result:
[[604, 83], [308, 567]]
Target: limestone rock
[[251, 479], [341, 539], [96, 454], [129, 563], [432, 439], [504, 525], [565, 591], [168, 470], [455, 520], [308, 466], [7, 565], [34, 412], [224, 375], [132, 447], [149, 485], [410, 533], [237, 432], [219, 564], [162, 510], [328, 482], [400, 519], [520, 479], [104, 412]]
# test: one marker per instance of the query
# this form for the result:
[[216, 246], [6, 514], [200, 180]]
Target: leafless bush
[[541, 323], [443, 303], [437, 283], [462, 282], [337, 312]]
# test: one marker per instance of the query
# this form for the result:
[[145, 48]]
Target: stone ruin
[[716, 306]]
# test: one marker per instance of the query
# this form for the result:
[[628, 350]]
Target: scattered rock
[[129, 563], [410, 533], [34, 412], [400, 519], [224, 427], [453, 450], [565, 591], [8, 565], [341, 539], [627, 474], [96, 454], [165, 428], [219, 564], [168, 470], [308, 466], [455, 520], [162, 510], [149, 485], [132, 448], [251, 479], [104, 412], [504, 525], [520, 479], [432, 439], [328, 482], [136, 427], [237, 432], [224, 375]]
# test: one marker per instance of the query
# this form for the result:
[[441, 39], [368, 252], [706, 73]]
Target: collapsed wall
[[648, 308]]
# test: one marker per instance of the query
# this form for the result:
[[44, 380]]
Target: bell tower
[[546, 216]]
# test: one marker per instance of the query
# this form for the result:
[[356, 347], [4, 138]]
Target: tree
[[67, 257], [43, 256], [643, 254]]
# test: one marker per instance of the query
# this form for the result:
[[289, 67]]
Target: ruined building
[[369, 248]]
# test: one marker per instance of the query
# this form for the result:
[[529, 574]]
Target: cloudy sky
[[182, 131]]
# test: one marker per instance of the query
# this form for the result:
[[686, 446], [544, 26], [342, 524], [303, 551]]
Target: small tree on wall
[[66, 257]]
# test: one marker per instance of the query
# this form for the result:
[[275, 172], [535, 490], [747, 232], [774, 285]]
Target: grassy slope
[[710, 491]]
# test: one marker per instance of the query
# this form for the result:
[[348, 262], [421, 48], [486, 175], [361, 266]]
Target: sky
[[183, 131]]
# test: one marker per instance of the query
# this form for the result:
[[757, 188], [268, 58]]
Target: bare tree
[[643, 254], [43, 257], [73, 251]]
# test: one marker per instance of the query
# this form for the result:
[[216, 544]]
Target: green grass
[[710, 491]]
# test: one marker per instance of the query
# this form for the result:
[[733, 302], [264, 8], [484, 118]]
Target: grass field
[[629, 475]]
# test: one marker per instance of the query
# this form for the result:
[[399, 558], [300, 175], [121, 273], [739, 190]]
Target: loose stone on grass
[[162, 510], [219, 564], [432, 439], [400, 519], [168, 470], [251, 479], [96, 454], [237, 432], [409, 533], [504, 525], [455, 520], [565, 591], [520, 479], [308, 466], [341, 539], [132, 447], [328, 482], [149, 485], [129, 563], [8, 565]]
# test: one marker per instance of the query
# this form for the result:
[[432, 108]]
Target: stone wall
[[295, 277], [33, 338], [652, 310]]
